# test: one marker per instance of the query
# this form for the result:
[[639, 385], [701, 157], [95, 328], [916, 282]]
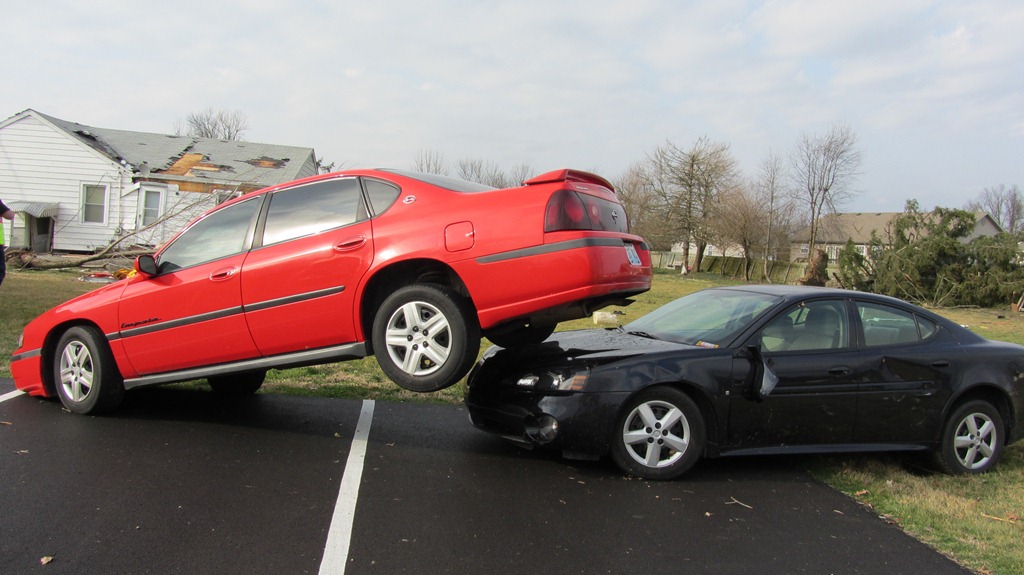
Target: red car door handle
[[223, 274], [350, 243]]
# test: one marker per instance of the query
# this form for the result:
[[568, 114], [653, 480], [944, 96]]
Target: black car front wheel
[[85, 372], [659, 434], [972, 439], [425, 337]]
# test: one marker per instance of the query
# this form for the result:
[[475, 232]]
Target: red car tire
[[425, 337], [85, 373]]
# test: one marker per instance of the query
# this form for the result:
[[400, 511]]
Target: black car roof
[[791, 293]]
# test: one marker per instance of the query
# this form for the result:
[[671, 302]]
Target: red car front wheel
[[84, 370]]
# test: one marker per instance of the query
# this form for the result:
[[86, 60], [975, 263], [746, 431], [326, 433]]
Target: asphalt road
[[177, 481]]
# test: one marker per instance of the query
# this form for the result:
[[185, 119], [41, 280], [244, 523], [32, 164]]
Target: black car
[[759, 370]]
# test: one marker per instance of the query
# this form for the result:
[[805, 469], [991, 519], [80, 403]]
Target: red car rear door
[[298, 285]]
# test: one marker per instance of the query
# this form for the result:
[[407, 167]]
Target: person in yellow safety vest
[[5, 214]]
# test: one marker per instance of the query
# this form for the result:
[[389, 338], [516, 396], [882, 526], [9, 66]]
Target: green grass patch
[[976, 520]]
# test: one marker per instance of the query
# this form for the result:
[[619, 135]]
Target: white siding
[[41, 164], [308, 168], [177, 210]]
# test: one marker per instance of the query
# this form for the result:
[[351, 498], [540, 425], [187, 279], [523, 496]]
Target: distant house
[[836, 229], [77, 188]]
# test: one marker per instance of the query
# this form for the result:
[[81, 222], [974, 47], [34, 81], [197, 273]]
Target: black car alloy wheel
[[972, 439], [659, 434]]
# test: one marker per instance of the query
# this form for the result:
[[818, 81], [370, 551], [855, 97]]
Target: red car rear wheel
[[425, 337]]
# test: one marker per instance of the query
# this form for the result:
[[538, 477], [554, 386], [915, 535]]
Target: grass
[[975, 520]]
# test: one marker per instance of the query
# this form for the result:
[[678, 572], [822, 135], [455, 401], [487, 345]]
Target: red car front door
[[190, 313]]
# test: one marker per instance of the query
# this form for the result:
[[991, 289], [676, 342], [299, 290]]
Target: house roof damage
[[194, 164]]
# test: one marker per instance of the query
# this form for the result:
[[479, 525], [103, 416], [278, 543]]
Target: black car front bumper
[[585, 421]]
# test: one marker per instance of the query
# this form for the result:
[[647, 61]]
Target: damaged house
[[78, 188]]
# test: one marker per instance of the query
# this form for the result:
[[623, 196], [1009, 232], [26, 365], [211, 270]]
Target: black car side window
[[888, 325], [220, 234], [313, 208], [808, 326]]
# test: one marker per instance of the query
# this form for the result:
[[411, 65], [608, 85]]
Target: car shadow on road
[[311, 416]]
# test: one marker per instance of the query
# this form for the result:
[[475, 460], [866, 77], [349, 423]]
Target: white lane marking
[[11, 395], [339, 536]]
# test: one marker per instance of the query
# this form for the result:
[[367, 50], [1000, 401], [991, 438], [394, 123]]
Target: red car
[[411, 268]]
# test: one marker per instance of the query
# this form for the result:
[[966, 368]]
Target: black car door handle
[[839, 370], [940, 363]]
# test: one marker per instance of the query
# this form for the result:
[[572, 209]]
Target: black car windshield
[[708, 318]]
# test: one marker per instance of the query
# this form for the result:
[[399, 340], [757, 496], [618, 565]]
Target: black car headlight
[[554, 380]]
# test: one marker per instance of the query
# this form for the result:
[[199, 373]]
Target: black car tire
[[237, 384], [972, 439], [425, 337], [85, 373], [527, 334], [659, 434]]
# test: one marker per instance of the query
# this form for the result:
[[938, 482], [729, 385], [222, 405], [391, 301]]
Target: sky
[[933, 90]]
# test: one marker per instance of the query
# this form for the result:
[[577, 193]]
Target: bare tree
[[430, 162], [322, 167], [689, 183], [824, 168], [482, 172], [519, 174], [210, 123], [770, 191], [741, 221], [1005, 205], [640, 199]]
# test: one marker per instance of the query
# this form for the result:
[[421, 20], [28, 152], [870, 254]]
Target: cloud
[[934, 89]]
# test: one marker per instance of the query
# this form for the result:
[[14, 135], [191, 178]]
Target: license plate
[[634, 258]]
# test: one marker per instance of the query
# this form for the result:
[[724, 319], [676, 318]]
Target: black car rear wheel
[[85, 372], [425, 337], [659, 434], [972, 439]]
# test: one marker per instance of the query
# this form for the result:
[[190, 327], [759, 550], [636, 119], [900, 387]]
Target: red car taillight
[[568, 210]]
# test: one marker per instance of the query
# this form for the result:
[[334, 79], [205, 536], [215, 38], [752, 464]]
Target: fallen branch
[[737, 502], [32, 261], [1004, 520]]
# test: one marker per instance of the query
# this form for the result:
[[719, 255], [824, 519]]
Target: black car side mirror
[[765, 379], [146, 265]]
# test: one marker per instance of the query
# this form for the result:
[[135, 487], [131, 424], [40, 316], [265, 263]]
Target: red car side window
[[220, 234], [313, 208]]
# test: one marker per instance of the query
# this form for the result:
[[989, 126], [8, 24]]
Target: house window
[[94, 204], [150, 207]]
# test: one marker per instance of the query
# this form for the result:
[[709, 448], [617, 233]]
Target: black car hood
[[597, 345]]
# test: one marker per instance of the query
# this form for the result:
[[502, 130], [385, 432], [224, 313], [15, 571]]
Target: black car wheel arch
[[660, 433], [972, 438]]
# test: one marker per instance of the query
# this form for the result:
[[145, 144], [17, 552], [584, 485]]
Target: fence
[[778, 272]]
